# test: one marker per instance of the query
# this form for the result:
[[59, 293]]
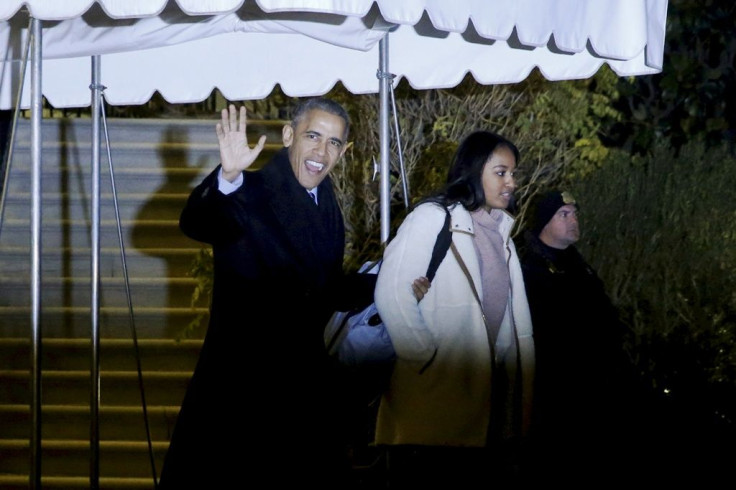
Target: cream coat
[[441, 386]]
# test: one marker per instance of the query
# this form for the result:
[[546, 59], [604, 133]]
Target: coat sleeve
[[406, 258], [209, 216]]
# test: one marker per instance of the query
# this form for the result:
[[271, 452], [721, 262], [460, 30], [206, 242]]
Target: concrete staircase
[[156, 163]]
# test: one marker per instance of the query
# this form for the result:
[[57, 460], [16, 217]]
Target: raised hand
[[235, 154]]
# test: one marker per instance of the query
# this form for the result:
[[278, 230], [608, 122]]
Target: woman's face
[[498, 178]]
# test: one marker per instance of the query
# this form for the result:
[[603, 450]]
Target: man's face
[[562, 230], [315, 145]]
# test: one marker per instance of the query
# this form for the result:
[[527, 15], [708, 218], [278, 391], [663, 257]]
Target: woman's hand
[[420, 286]]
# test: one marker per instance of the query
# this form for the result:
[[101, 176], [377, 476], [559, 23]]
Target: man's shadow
[[156, 233]]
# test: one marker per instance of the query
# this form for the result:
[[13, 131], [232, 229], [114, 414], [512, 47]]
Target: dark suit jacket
[[265, 397]]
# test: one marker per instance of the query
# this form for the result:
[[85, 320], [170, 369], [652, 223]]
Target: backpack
[[359, 339]]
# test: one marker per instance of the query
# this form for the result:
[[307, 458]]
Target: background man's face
[[315, 145], [563, 229]]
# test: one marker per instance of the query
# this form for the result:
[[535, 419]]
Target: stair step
[[116, 423], [114, 322], [56, 206], [114, 354], [144, 291], [77, 233], [140, 261], [134, 181], [21, 482], [72, 457], [182, 131], [116, 387]]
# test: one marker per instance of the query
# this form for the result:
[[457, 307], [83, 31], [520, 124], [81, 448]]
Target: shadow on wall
[[156, 232]]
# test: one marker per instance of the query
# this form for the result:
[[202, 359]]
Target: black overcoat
[[264, 400], [583, 380]]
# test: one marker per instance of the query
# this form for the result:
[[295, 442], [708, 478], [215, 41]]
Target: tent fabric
[[186, 48]]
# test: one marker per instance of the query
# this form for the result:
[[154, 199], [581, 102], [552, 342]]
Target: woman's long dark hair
[[464, 184]]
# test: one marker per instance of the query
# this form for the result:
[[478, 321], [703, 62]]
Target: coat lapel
[[315, 232]]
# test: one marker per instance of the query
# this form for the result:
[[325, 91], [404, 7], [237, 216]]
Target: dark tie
[[314, 198]]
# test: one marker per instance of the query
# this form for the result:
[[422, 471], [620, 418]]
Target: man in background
[[583, 372]]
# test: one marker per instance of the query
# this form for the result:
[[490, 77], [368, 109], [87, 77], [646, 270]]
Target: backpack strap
[[441, 246]]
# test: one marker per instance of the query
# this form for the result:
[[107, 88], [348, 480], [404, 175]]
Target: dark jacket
[[581, 399], [264, 399]]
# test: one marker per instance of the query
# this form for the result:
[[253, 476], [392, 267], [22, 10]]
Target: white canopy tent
[[186, 48], [246, 47]]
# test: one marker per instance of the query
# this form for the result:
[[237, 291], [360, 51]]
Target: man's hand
[[235, 154], [420, 286]]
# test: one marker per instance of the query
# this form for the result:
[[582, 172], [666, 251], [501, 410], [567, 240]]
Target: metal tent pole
[[96, 88], [36, 116], [385, 139]]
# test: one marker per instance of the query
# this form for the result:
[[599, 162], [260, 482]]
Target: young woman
[[460, 394]]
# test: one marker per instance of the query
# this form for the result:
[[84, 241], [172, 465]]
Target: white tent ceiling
[[186, 48]]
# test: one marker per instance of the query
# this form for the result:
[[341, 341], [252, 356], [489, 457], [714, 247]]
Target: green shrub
[[661, 231]]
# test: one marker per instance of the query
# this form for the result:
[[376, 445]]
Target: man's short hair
[[322, 104]]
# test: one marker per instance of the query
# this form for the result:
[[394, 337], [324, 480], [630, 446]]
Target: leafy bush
[[661, 231]]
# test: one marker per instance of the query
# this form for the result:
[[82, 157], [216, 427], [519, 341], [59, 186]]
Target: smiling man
[[264, 404]]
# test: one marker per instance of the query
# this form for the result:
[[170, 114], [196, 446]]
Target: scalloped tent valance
[[186, 48]]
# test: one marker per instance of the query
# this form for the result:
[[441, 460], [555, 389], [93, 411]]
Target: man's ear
[[345, 148], [287, 135]]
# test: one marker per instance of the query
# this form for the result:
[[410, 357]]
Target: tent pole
[[95, 274], [385, 141], [36, 117]]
